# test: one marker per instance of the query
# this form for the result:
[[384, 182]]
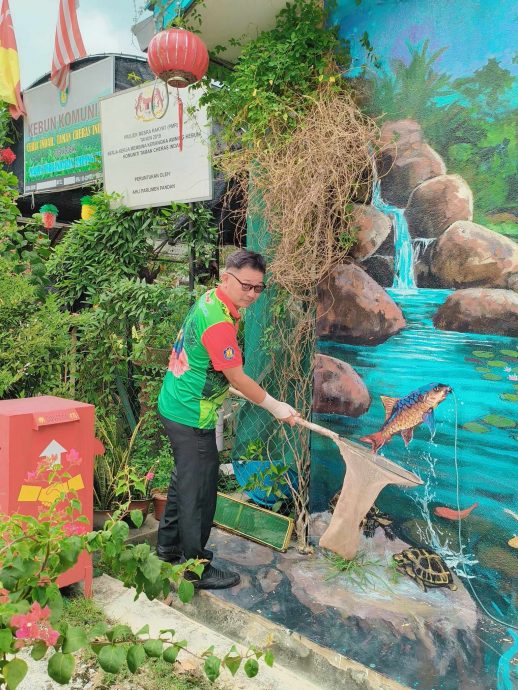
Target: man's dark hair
[[244, 257]]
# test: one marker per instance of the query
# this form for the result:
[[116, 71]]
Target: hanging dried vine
[[300, 153]]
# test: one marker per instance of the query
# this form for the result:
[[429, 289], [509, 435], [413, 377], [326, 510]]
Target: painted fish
[[451, 514], [402, 415]]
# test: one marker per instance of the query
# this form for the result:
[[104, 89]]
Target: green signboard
[[62, 133]]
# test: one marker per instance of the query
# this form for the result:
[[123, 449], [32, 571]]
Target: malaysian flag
[[68, 44]]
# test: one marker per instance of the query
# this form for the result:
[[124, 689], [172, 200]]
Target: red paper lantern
[[178, 57]]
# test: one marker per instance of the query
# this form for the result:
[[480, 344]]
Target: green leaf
[[14, 672], [211, 667], [510, 353], [499, 421], [185, 591], [119, 633], [70, 548], [137, 518], [135, 657], [251, 668], [61, 667], [232, 662], [269, 658], [209, 651], [38, 651], [6, 638], [98, 630], [475, 428], [171, 653], [153, 648], [120, 531], [111, 658], [75, 639], [144, 630], [152, 568]]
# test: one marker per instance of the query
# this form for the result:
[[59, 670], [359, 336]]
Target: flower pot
[[101, 517], [159, 502], [141, 504]]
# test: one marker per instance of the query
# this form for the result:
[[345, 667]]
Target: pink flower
[[73, 457], [513, 377], [149, 476], [7, 156], [72, 528], [4, 596], [35, 625]]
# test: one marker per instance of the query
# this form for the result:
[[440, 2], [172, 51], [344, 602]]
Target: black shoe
[[169, 556], [207, 555], [213, 578]]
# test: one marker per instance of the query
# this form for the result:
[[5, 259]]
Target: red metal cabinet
[[33, 428]]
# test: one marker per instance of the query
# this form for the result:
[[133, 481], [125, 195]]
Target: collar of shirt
[[220, 294]]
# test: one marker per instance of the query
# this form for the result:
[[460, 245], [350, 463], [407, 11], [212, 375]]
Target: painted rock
[[470, 255], [405, 161], [437, 203], [479, 310], [353, 308], [380, 268], [373, 227], [338, 389]]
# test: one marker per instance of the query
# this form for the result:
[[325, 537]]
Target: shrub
[[35, 346]]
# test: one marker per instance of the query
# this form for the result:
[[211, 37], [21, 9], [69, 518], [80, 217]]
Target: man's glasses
[[246, 287]]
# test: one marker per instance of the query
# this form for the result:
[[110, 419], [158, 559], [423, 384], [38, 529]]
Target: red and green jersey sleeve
[[220, 341], [194, 386]]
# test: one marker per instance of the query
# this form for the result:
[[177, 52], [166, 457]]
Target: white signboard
[[62, 131], [142, 159]]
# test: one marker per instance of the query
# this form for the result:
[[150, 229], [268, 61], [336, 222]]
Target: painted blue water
[[486, 458], [507, 674], [403, 249]]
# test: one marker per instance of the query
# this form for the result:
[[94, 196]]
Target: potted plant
[[110, 469], [265, 480], [160, 484]]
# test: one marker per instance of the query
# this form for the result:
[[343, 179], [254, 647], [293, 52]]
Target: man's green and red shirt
[[194, 386]]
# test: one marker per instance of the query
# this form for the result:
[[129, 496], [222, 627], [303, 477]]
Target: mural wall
[[418, 335]]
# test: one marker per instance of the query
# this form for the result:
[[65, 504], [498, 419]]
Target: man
[[205, 359]]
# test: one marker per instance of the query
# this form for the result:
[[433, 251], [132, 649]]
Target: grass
[[159, 677], [360, 571], [81, 612], [155, 675], [394, 574]]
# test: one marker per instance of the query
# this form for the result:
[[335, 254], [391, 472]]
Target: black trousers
[[191, 499]]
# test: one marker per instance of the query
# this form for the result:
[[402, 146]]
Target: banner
[[62, 134], [141, 157]]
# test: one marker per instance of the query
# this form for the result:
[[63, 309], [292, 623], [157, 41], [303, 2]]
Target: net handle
[[301, 422]]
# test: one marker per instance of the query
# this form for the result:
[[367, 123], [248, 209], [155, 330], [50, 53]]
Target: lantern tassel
[[180, 122]]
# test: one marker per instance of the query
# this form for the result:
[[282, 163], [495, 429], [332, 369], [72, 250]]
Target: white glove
[[279, 409]]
